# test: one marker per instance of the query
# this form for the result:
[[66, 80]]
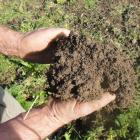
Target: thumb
[[85, 108]]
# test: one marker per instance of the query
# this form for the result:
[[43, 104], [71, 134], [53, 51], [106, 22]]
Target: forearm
[[39, 124], [9, 41]]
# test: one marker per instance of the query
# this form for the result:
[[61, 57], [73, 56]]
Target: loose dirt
[[85, 70]]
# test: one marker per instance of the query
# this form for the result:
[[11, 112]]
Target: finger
[[42, 37], [47, 35], [56, 31], [86, 108]]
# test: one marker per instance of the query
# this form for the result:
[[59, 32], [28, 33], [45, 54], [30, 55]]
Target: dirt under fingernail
[[85, 70]]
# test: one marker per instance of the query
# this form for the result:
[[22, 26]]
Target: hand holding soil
[[66, 111], [37, 46], [44, 120]]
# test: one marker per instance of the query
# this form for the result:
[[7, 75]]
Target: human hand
[[37, 46], [66, 111], [59, 113], [44, 120]]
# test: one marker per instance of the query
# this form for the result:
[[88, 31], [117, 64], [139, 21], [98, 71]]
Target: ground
[[110, 21]]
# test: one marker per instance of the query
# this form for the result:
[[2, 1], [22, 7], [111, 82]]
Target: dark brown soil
[[85, 70]]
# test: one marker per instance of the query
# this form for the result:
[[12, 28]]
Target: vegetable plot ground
[[112, 22]]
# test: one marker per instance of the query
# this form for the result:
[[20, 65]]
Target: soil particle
[[85, 70]]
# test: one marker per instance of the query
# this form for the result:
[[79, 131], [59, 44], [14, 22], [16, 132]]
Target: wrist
[[9, 41]]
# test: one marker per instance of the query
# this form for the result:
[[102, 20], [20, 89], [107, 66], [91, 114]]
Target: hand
[[66, 111], [43, 121], [37, 46]]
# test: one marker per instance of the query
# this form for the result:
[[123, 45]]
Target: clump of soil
[[85, 70]]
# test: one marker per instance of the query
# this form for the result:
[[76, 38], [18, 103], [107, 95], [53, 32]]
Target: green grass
[[115, 22]]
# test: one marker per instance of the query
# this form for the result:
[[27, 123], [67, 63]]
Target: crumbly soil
[[85, 70]]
